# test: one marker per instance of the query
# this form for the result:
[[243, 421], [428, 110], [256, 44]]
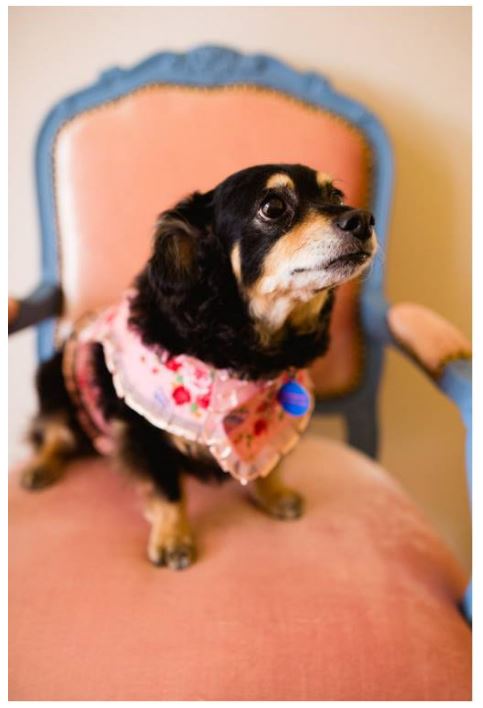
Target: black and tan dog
[[243, 278]]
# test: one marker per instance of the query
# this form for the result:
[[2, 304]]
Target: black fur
[[55, 402], [145, 449], [189, 301], [206, 316]]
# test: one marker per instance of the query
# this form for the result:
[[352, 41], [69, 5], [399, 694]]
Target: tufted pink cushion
[[355, 601]]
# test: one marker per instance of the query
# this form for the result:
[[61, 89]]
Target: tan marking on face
[[279, 180], [274, 310], [295, 240], [236, 261], [272, 299], [304, 315], [323, 178]]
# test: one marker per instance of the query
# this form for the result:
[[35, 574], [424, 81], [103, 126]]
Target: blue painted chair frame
[[218, 66]]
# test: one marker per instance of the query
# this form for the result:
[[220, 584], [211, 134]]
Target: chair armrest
[[426, 336], [436, 345], [43, 302], [440, 349]]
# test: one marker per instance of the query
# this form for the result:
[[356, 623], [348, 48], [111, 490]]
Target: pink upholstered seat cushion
[[357, 600]]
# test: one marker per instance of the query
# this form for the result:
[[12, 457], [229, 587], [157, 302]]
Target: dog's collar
[[248, 426]]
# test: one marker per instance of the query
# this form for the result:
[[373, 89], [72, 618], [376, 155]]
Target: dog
[[236, 298]]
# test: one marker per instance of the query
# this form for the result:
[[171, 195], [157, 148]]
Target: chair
[[359, 600]]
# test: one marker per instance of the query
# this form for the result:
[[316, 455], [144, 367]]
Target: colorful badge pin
[[294, 398]]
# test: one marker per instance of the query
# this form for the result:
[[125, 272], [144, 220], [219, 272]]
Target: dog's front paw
[[170, 539], [288, 505], [285, 504], [38, 476], [174, 554]]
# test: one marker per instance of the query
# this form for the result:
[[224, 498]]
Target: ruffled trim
[[229, 397]]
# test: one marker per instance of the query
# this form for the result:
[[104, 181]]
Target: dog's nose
[[357, 222]]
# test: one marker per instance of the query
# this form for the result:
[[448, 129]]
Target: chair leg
[[362, 428]]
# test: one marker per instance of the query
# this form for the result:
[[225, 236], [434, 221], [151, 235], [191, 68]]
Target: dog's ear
[[174, 265]]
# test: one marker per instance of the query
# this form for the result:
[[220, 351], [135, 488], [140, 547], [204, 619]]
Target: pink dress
[[245, 424]]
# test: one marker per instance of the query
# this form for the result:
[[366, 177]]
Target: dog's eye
[[336, 196], [273, 207]]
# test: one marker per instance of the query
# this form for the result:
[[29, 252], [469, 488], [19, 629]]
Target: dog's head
[[282, 232]]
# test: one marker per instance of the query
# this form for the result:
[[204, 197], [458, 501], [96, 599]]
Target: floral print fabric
[[241, 422]]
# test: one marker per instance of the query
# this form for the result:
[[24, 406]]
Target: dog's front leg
[[170, 540], [274, 497], [55, 445], [144, 450]]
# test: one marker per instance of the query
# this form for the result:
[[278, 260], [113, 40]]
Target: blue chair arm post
[[44, 302], [454, 381]]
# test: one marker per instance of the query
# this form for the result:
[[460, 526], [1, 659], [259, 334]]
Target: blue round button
[[294, 398]]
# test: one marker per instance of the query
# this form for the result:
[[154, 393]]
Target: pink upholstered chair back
[[118, 165]]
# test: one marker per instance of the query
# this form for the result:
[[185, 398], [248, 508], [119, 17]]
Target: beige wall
[[409, 65]]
